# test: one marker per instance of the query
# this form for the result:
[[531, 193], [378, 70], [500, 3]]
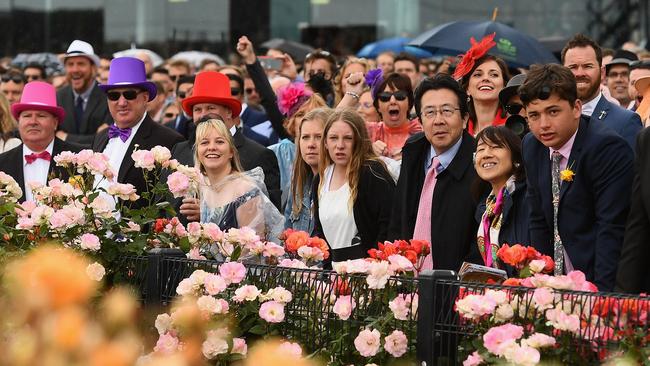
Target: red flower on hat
[[476, 51], [291, 97]]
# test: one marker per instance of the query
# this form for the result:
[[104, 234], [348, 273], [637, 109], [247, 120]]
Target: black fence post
[[429, 312], [157, 273]]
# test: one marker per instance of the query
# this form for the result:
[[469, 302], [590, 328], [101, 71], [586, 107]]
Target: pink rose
[[272, 312], [95, 271], [212, 232], [475, 306], [291, 348], [272, 250], [25, 223], [378, 275], [400, 307], [343, 306], [163, 323], [543, 298], [367, 342], [161, 154], [280, 294], [178, 184], [25, 208], [310, 254], [560, 320], [239, 346], [214, 284], [497, 339], [538, 340], [522, 355], [474, 359], [399, 263], [246, 293], [65, 159], [59, 220], [144, 159], [132, 227], [292, 263], [396, 343], [89, 242], [167, 344], [185, 287], [232, 272], [194, 229], [83, 156], [195, 254], [214, 345]]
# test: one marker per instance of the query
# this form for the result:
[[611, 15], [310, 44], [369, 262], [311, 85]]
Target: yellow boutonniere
[[76, 181], [567, 175]]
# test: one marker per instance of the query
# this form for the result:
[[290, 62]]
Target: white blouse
[[336, 216]]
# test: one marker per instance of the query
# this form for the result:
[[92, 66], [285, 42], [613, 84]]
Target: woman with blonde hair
[[298, 214], [7, 127], [228, 196], [355, 190], [350, 66]]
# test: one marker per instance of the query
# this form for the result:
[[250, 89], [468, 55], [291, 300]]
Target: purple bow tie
[[122, 133]]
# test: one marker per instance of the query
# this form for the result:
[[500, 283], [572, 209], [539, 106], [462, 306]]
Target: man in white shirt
[[38, 117], [128, 92]]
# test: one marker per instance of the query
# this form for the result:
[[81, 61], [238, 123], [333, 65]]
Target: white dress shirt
[[589, 107], [37, 171], [116, 148]]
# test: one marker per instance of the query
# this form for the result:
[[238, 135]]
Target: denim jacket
[[304, 220]]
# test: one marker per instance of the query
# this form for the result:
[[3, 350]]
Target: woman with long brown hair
[[353, 202], [7, 127]]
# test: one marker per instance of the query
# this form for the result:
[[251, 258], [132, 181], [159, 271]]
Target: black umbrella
[[516, 48], [297, 51]]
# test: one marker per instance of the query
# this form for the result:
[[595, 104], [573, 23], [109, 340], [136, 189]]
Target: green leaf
[[258, 329]]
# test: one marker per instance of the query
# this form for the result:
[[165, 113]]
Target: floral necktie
[[558, 248]]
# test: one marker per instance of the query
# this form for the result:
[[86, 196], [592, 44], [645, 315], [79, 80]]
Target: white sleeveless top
[[336, 217]]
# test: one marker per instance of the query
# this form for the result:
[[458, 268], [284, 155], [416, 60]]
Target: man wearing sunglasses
[[12, 86], [183, 122], [128, 92], [511, 102], [83, 101]]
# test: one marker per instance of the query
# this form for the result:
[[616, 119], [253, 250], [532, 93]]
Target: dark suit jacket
[[453, 228], [593, 207], [11, 162], [622, 121], [183, 126], [251, 118], [371, 211], [634, 269], [95, 114], [251, 155], [149, 135]]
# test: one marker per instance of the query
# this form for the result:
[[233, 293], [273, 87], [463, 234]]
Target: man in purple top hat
[[128, 92], [38, 117]]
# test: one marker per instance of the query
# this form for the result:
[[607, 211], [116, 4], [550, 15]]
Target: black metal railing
[[435, 331]]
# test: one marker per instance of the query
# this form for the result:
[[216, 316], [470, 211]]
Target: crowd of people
[[468, 155]]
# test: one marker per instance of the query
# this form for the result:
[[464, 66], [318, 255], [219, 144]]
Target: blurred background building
[[342, 26]]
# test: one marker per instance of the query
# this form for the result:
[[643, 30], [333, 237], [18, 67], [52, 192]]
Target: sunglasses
[[514, 108], [128, 94], [235, 91], [18, 79], [181, 95], [176, 77], [399, 95], [249, 90], [171, 115]]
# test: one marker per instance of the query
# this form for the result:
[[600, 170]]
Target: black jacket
[[95, 114], [453, 227], [11, 162], [149, 135], [371, 211]]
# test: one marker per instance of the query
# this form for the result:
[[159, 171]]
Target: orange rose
[[296, 240], [514, 255], [411, 255], [320, 244], [512, 282]]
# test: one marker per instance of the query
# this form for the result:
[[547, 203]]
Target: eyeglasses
[[128, 94], [235, 91], [514, 108], [250, 90], [171, 115], [18, 79], [445, 111], [399, 95]]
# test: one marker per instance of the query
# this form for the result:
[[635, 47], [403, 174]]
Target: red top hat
[[212, 87]]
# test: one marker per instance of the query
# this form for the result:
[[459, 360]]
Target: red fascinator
[[475, 52]]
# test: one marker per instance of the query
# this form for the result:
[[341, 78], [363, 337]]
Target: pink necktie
[[423, 222]]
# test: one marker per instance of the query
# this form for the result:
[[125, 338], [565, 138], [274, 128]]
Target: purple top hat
[[126, 72]]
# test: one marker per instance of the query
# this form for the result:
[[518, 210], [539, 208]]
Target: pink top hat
[[39, 96]]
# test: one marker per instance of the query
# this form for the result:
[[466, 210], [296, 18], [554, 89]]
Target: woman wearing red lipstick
[[483, 76], [353, 202]]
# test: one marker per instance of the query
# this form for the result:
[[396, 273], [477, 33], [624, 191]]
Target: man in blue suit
[[256, 124], [584, 58], [579, 178]]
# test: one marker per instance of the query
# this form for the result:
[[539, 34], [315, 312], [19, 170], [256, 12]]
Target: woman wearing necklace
[[353, 202], [503, 214], [228, 196]]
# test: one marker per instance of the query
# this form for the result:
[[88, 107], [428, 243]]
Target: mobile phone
[[270, 63]]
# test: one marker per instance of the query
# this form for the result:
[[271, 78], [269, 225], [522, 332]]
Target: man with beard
[[84, 103], [584, 58]]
